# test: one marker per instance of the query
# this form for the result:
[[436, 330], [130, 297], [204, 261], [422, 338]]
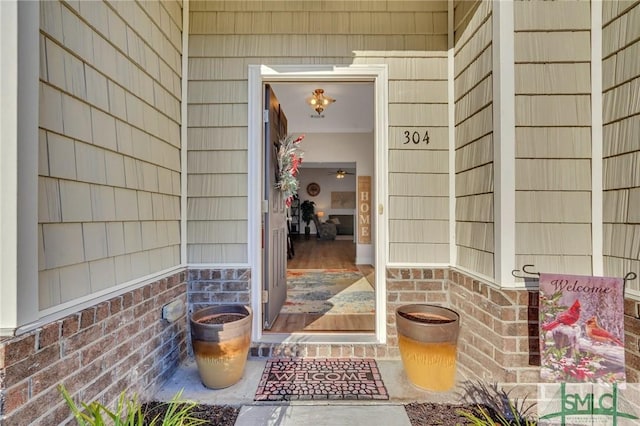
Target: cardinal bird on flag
[[568, 317], [599, 334]]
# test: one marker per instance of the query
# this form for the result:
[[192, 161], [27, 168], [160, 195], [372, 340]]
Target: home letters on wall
[[364, 209]]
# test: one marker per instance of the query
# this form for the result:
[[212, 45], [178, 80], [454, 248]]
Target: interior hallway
[[313, 253]]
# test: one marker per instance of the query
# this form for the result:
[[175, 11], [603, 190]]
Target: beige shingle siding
[[552, 16], [621, 146], [409, 36], [474, 136], [553, 135], [469, 14], [556, 262], [553, 142], [109, 143]]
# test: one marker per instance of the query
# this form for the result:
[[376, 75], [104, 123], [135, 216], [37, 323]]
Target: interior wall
[[355, 148], [621, 147], [226, 37], [328, 184], [109, 161], [553, 135], [474, 136]]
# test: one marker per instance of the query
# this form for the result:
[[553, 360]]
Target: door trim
[[257, 76]]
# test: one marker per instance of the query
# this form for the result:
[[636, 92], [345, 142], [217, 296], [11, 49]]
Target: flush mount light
[[318, 101]]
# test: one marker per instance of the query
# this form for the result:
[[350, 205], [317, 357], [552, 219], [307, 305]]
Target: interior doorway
[[345, 262], [329, 289]]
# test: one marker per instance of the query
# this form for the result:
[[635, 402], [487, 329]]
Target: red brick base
[[122, 344]]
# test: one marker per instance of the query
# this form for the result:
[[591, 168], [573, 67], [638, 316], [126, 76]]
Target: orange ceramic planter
[[221, 350], [427, 339]]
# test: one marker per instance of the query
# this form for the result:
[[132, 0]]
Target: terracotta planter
[[427, 338], [221, 337]]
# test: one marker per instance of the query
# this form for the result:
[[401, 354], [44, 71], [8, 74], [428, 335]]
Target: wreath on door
[[289, 157]]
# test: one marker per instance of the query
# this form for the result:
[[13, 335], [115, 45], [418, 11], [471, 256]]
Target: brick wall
[[499, 328], [406, 286], [211, 287], [499, 340], [632, 340], [499, 334], [97, 353], [120, 344]]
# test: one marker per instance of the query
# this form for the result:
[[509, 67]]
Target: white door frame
[[258, 75]]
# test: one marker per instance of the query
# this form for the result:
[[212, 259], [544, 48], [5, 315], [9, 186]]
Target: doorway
[[365, 256]]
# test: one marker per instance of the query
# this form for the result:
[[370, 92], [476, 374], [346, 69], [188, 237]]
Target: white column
[[183, 133], [453, 252], [19, 68], [504, 142], [596, 139]]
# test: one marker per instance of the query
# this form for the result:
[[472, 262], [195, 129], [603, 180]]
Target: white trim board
[[504, 142]]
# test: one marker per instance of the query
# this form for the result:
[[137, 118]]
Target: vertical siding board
[[473, 92], [553, 133], [621, 121]]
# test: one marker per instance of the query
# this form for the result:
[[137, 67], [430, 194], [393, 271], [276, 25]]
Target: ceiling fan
[[340, 174]]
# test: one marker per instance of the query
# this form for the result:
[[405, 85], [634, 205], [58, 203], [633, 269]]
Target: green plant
[[496, 407], [128, 412], [495, 419], [308, 209]]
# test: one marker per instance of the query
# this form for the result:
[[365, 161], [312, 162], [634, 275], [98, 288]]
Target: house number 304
[[415, 137]]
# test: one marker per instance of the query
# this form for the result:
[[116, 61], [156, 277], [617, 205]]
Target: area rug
[[286, 379], [328, 291]]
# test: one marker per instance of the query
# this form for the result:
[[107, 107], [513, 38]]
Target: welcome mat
[[286, 379]]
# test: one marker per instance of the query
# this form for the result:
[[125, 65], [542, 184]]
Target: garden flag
[[581, 329]]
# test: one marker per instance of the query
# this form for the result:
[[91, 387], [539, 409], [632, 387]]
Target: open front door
[[275, 232]]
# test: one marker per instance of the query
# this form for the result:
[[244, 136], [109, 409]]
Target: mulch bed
[[215, 415], [427, 413], [420, 414]]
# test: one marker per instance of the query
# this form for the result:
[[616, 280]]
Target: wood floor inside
[[313, 253]]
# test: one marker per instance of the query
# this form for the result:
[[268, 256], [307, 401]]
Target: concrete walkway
[[311, 413]]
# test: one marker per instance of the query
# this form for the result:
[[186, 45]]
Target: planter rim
[[424, 331], [428, 308], [216, 332], [243, 310]]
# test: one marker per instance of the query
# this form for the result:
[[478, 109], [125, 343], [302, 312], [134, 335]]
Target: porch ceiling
[[351, 113]]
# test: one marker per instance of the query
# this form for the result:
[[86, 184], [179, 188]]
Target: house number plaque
[[415, 137]]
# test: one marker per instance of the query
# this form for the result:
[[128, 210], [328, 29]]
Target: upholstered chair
[[326, 230]]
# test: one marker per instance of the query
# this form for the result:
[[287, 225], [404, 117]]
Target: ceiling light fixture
[[319, 101], [340, 174]]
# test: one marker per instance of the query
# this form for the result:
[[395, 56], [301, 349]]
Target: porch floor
[[400, 390]]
